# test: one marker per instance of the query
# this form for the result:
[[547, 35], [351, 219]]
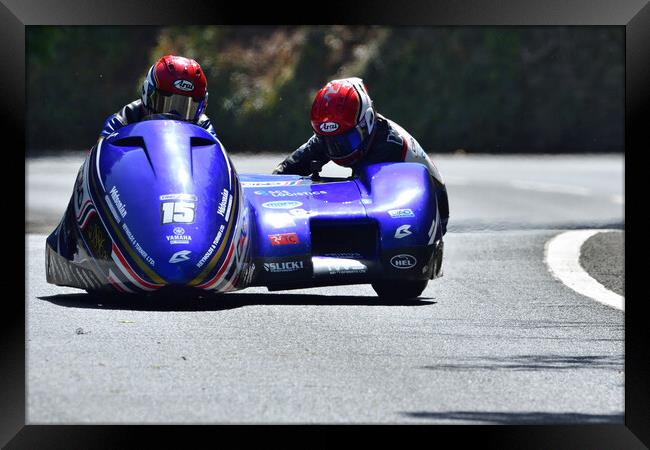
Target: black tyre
[[399, 290]]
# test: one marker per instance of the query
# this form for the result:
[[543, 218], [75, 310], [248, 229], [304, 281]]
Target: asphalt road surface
[[496, 340]]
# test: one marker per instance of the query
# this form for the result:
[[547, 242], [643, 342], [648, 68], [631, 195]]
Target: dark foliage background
[[481, 89]]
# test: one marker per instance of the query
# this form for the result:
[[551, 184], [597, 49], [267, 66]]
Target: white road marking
[[562, 256]]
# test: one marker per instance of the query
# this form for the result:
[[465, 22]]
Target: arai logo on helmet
[[329, 127], [184, 85]]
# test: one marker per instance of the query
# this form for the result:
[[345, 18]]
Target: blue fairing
[[345, 229], [159, 203]]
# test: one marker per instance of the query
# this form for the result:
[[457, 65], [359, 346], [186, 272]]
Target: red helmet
[[343, 115], [175, 85]]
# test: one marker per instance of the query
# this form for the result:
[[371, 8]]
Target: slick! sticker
[[282, 204], [284, 239], [286, 266]]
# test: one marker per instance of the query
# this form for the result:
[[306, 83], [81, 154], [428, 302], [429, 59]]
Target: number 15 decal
[[177, 212]]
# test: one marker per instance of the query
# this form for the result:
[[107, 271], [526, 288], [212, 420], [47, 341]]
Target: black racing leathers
[[134, 112], [390, 143]]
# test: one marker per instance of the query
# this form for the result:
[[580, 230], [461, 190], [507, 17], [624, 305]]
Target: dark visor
[[344, 144]]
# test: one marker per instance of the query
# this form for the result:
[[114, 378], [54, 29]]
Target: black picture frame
[[634, 16]]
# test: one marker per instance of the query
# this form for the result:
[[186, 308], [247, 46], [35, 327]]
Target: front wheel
[[403, 290]]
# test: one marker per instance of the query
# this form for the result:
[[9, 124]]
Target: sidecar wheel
[[399, 290]]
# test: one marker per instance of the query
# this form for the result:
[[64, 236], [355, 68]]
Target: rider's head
[[175, 85], [343, 115]]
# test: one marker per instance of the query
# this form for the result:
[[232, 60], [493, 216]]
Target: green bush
[[481, 89]]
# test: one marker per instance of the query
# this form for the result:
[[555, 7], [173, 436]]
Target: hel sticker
[[403, 231], [180, 256], [284, 239], [403, 261], [184, 85], [282, 204], [328, 127], [398, 213]]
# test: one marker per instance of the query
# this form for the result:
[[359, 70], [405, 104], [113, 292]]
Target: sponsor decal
[[284, 239], [249, 184], [286, 266], [399, 213], [282, 204], [177, 212], [328, 127], [184, 85], [185, 197], [221, 209], [403, 261], [177, 208], [228, 208], [353, 255], [213, 246], [345, 266], [403, 231], [179, 236], [115, 196], [137, 246], [180, 256], [117, 217], [285, 193]]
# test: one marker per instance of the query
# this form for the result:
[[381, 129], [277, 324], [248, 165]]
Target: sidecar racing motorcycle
[[158, 204]]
